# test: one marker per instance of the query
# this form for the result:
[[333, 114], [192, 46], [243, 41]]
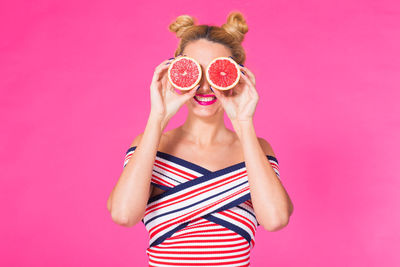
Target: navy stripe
[[191, 165], [196, 203], [234, 203], [170, 178], [188, 163], [168, 234], [163, 187], [229, 225], [179, 161], [273, 158], [196, 181], [183, 162], [250, 213]]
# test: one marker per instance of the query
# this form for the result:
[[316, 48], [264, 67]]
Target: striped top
[[204, 218]]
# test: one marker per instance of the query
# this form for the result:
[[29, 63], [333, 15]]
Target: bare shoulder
[[266, 147]]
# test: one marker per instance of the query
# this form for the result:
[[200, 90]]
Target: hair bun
[[236, 26], [181, 24]]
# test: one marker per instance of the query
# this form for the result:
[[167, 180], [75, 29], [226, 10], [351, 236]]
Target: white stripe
[[201, 229], [235, 222], [197, 256], [195, 187], [229, 265], [197, 260], [194, 246], [200, 199], [276, 168], [171, 176], [178, 166], [159, 221], [179, 203], [195, 241]]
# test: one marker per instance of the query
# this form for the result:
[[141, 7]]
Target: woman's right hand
[[165, 101]]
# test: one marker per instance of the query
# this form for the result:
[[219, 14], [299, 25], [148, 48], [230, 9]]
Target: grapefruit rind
[[217, 86], [197, 80]]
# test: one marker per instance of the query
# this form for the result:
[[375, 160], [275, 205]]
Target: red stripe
[[274, 164], [196, 212], [245, 221], [175, 169], [163, 181], [245, 250], [200, 233], [201, 229], [180, 198], [241, 216], [203, 233], [198, 252], [199, 241], [198, 263]]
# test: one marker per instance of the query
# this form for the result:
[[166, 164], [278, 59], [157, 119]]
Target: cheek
[[227, 92]]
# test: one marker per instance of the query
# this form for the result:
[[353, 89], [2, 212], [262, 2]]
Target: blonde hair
[[230, 34]]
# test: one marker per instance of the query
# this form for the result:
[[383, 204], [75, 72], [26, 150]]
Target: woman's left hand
[[240, 103]]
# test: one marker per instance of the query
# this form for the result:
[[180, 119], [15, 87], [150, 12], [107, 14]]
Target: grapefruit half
[[223, 73], [184, 73]]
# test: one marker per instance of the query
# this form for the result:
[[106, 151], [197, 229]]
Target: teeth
[[204, 98]]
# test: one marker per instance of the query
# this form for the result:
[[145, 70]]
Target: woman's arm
[[271, 202], [128, 199], [127, 203]]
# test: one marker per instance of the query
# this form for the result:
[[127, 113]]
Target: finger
[[238, 89], [160, 69], [219, 94], [168, 85], [250, 75], [158, 73], [249, 83], [190, 94]]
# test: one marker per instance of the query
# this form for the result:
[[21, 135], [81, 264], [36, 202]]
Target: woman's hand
[[240, 103], [165, 101]]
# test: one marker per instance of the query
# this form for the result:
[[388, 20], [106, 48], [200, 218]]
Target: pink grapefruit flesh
[[184, 73], [223, 73]]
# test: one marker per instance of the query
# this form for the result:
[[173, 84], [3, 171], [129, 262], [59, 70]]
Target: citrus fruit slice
[[223, 73], [184, 73]]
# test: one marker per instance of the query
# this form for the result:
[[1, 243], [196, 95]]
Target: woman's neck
[[205, 131]]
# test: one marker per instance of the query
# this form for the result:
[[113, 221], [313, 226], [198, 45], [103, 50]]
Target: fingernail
[[240, 64], [243, 73], [231, 57], [198, 88], [167, 63], [211, 89], [171, 58]]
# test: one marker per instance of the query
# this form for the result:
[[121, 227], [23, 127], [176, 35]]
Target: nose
[[204, 87]]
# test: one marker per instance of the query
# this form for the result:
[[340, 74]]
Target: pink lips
[[205, 103]]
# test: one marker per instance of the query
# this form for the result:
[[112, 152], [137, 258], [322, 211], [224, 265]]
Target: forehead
[[205, 51]]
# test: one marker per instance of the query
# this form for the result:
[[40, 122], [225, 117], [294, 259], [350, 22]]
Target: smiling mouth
[[202, 100]]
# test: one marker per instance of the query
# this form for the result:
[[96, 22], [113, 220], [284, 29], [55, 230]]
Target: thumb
[[191, 93], [219, 95]]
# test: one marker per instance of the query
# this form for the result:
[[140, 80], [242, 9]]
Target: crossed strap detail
[[191, 192]]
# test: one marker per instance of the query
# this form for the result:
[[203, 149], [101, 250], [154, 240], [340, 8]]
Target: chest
[[211, 159]]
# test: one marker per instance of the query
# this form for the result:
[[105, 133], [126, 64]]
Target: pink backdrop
[[75, 82]]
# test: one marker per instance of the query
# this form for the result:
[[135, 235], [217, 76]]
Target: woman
[[191, 186]]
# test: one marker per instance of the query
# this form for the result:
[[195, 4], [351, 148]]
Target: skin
[[204, 140]]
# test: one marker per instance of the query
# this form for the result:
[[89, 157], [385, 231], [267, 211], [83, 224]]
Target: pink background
[[74, 86]]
